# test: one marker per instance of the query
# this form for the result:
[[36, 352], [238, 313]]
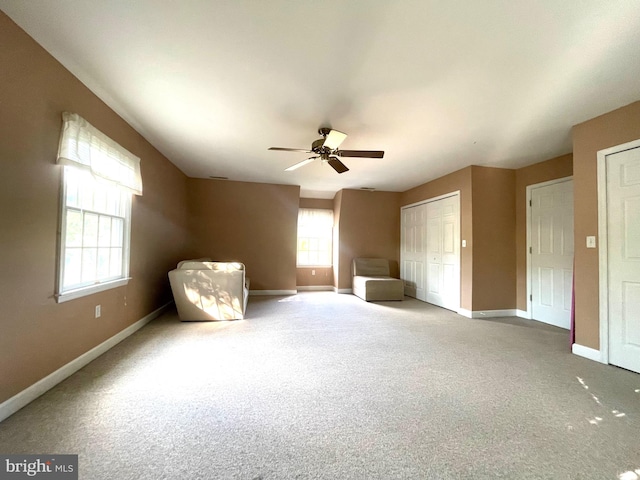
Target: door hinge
[[530, 203], [531, 298], [530, 250]]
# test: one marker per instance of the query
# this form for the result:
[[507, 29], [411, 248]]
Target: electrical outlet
[[313, 272], [591, 241], [98, 311]]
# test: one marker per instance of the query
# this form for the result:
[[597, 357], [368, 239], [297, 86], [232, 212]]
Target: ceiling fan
[[326, 149]]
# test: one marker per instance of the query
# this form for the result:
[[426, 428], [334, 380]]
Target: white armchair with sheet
[[205, 290]]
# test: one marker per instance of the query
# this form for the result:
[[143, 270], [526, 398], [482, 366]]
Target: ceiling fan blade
[[333, 139], [283, 149], [300, 164], [337, 165], [361, 153]]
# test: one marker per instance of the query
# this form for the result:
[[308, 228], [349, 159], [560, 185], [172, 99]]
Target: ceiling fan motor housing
[[317, 145]]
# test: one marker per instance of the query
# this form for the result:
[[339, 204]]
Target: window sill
[[83, 292]]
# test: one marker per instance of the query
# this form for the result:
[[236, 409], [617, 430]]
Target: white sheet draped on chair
[[205, 290]]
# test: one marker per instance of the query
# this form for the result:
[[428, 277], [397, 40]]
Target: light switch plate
[[591, 241], [464, 243]]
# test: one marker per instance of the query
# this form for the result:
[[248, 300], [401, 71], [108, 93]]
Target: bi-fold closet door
[[413, 250], [430, 263]]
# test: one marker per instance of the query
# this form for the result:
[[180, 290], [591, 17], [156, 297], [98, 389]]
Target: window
[[99, 179], [315, 237], [95, 231]]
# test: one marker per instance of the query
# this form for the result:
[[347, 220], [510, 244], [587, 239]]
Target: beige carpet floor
[[326, 386]]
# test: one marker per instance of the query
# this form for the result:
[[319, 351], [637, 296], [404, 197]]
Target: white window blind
[[84, 146]]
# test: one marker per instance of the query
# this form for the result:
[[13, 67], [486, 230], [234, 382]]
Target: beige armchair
[[205, 290], [371, 280]]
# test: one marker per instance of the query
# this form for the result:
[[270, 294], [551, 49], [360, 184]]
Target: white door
[[552, 253], [623, 253], [413, 253], [443, 252]]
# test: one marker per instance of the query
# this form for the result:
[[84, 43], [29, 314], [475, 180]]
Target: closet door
[[443, 252], [413, 253]]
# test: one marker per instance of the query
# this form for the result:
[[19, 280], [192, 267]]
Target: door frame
[[603, 254], [432, 199], [529, 313]]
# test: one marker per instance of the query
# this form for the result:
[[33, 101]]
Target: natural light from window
[[315, 237], [95, 230]]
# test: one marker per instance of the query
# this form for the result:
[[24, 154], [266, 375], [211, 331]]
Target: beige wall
[[614, 128], [253, 223], [39, 335], [456, 181], [326, 203], [494, 249], [314, 277], [553, 169], [369, 226]]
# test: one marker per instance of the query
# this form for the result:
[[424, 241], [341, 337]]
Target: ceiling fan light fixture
[[333, 139]]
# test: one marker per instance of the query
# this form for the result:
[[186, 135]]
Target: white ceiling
[[438, 85]]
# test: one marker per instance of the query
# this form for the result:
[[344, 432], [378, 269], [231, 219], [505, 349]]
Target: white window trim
[[83, 292]]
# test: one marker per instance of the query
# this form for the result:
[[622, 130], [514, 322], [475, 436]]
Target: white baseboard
[[316, 288], [586, 352], [343, 290], [272, 292], [29, 394], [523, 314], [511, 312], [487, 313]]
